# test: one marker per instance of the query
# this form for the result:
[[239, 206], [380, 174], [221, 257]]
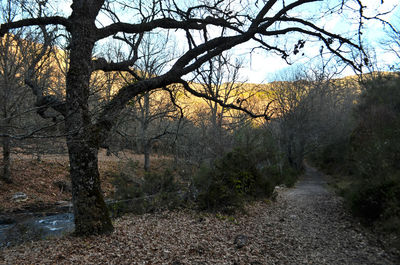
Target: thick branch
[[165, 23], [44, 102], [4, 28], [108, 116]]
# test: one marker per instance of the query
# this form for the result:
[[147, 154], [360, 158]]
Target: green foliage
[[289, 176], [375, 143], [375, 198], [375, 146], [148, 194], [250, 171], [154, 183], [230, 181], [262, 147], [334, 158], [372, 156]]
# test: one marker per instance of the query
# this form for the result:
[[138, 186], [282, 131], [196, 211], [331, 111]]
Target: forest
[[119, 113]]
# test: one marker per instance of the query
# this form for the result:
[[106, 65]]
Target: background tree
[[312, 111], [19, 120], [153, 110], [12, 96], [267, 23], [219, 78], [392, 41]]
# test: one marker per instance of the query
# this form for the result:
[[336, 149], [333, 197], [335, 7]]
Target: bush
[[334, 158], [152, 192], [375, 199], [230, 181], [371, 153]]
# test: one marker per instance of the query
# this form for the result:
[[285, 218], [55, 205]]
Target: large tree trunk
[[90, 210], [146, 151], [146, 142], [83, 138], [6, 175]]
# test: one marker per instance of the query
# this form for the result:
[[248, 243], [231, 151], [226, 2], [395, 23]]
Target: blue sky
[[264, 68]]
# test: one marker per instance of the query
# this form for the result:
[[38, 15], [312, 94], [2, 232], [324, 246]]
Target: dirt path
[[317, 229]]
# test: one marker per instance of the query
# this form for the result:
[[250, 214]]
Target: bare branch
[[165, 23], [43, 102], [41, 21], [220, 102]]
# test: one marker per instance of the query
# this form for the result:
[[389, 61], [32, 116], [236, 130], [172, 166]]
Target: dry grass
[[36, 178]]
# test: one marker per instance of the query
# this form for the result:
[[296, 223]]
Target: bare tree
[[268, 23], [392, 42], [153, 108], [17, 54], [12, 95], [311, 110], [219, 78]]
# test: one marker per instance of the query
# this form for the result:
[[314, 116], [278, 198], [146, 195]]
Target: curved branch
[[165, 23], [321, 30], [43, 102], [112, 109], [221, 103], [318, 35], [57, 20]]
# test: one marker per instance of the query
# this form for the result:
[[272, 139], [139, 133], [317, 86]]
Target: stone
[[274, 195], [64, 186], [241, 241], [19, 197]]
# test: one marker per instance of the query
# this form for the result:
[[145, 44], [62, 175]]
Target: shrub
[[374, 199], [140, 195], [230, 181], [371, 154]]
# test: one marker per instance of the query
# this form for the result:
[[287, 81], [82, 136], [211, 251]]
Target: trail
[[318, 230]]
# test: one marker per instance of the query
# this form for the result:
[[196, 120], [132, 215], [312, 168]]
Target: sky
[[262, 67]]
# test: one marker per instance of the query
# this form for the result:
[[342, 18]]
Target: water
[[35, 228], [56, 223]]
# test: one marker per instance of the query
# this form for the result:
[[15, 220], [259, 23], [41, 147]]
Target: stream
[[35, 228]]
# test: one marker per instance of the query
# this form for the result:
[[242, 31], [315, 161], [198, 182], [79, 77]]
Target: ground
[[306, 225], [38, 178]]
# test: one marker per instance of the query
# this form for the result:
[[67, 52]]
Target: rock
[[64, 205], [19, 197], [241, 241], [274, 195], [64, 186]]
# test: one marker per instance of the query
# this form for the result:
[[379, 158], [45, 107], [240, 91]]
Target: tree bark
[[6, 160], [146, 151], [146, 142], [90, 210], [83, 138]]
